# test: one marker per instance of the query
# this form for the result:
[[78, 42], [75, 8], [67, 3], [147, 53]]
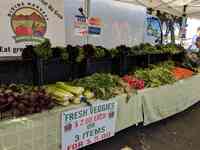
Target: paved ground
[[180, 132]]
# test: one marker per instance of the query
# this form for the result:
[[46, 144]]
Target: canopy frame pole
[[87, 8], [184, 24]]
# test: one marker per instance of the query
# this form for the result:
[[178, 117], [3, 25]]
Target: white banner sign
[[88, 125], [28, 22]]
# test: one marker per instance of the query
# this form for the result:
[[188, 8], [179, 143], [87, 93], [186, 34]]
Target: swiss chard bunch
[[166, 64], [43, 50], [135, 50], [148, 48], [161, 48], [172, 48], [89, 50], [123, 49], [28, 52], [95, 51], [144, 48], [100, 52], [61, 52], [76, 53], [81, 54], [114, 52]]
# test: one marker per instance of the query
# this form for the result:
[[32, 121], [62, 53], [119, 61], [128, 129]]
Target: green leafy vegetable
[[156, 75], [101, 84], [44, 50], [61, 52]]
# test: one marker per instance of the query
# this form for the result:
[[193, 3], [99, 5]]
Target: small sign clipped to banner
[[84, 27], [94, 26], [80, 25], [88, 125]]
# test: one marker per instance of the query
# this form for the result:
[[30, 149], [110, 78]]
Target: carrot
[[181, 73]]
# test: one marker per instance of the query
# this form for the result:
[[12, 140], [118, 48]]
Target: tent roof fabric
[[175, 7]]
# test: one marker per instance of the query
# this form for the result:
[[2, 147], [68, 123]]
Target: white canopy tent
[[175, 7]]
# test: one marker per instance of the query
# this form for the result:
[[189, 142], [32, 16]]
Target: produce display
[[156, 75], [96, 86], [158, 49], [143, 49], [170, 48], [22, 100], [104, 86], [80, 53]]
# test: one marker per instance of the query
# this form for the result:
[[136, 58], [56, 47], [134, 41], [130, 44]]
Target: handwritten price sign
[[88, 125]]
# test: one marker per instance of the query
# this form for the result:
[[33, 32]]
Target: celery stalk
[[69, 88], [59, 94]]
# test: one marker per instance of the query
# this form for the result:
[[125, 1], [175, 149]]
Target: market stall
[[144, 93], [58, 97]]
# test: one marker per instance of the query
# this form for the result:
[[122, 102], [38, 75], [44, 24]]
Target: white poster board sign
[[28, 22], [88, 125], [80, 25]]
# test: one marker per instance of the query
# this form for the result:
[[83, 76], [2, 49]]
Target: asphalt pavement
[[180, 132]]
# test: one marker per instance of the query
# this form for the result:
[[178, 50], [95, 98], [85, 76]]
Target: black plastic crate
[[178, 57], [51, 71], [124, 64], [78, 70], [103, 65], [16, 71], [116, 65], [128, 63], [157, 58]]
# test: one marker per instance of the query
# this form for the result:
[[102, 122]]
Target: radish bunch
[[134, 82]]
